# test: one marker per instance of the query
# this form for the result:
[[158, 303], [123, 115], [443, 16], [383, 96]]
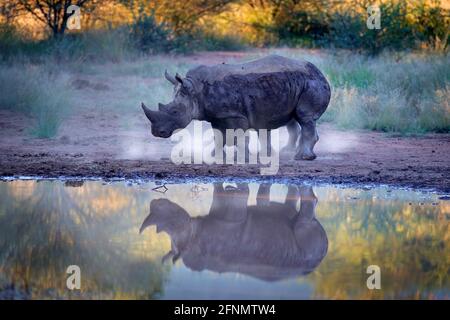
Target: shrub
[[152, 37], [10, 41], [432, 25], [149, 36], [302, 28], [38, 92], [386, 94], [349, 30]]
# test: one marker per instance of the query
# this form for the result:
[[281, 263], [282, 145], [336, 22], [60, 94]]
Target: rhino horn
[[151, 115], [170, 78]]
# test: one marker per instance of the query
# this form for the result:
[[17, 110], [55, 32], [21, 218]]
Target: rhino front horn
[[149, 113], [170, 78]]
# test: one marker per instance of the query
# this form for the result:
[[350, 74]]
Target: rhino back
[[265, 92], [269, 64]]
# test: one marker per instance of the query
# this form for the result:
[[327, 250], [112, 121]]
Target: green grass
[[407, 93], [40, 92], [144, 66], [401, 93]]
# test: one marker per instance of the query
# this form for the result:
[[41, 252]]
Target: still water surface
[[220, 241]]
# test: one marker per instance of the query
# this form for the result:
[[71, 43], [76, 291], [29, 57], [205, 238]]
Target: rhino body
[[269, 240], [263, 94]]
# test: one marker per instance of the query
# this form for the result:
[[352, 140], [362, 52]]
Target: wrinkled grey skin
[[268, 241], [263, 94]]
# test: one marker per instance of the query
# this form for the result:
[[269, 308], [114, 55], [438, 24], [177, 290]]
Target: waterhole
[[220, 241]]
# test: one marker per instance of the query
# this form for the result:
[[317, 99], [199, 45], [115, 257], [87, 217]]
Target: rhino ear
[[170, 78], [162, 107], [178, 78], [167, 256], [186, 84]]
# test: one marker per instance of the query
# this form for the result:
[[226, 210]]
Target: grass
[[401, 93], [40, 92], [406, 93]]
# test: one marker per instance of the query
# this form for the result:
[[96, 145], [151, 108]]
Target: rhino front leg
[[308, 139], [292, 197], [263, 196], [243, 150], [219, 145], [265, 143]]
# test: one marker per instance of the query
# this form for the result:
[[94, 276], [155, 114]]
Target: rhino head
[[176, 114], [174, 220]]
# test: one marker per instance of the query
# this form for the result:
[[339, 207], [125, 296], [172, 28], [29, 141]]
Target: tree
[[53, 12], [184, 15], [9, 10]]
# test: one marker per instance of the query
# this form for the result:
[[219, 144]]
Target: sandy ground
[[97, 142]]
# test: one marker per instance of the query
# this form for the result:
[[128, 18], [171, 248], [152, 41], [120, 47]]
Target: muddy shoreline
[[343, 157], [42, 167]]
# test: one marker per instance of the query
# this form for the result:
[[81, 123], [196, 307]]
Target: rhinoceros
[[269, 241], [267, 93]]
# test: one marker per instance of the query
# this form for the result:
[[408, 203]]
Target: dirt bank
[[107, 145]]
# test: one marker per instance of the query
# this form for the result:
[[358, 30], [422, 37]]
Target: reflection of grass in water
[[55, 227], [44, 227]]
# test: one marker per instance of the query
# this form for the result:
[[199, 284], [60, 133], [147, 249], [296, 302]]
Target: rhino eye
[[174, 112]]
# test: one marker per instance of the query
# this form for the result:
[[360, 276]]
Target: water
[[219, 241]]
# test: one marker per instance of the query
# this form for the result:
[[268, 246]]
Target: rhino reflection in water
[[269, 240]]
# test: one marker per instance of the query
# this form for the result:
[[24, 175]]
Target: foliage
[[38, 92], [93, 228], [150, 36], [388, 93], [348, 30], [432, 25]]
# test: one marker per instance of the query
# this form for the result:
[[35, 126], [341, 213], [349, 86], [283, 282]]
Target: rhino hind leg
[[293, 129], [308, 139]]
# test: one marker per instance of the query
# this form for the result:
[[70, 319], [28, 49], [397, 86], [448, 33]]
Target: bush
[[37, 92], [403, 26], [432, 25], [149, 36], [10, 41], [93, 45], [303, 28], [349, 30], [387, 94]]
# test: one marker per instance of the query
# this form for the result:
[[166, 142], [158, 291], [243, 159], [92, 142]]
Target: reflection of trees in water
[[44, 231], [410, 242], [44, 227]]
